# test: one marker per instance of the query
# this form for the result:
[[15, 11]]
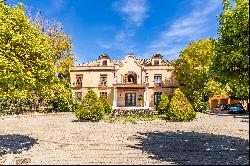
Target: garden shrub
[[180, 108], [106, 105], [91, 108], [162, 104]]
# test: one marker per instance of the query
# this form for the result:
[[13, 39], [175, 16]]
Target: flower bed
[[118, 112]]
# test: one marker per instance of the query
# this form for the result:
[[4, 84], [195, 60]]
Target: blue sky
[[141, 27]]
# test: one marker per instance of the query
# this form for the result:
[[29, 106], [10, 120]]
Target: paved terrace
[[61, 139]]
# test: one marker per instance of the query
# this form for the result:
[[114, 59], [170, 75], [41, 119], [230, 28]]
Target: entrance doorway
[[130, 99]]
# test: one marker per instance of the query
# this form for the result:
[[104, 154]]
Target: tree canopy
[[231, 63], [34, 58], [192, 72], [26, 61]]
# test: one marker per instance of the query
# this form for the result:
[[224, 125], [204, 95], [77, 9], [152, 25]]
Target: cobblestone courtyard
[[61, 139]]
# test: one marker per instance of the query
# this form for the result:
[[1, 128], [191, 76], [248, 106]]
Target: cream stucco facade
[[130, 83]]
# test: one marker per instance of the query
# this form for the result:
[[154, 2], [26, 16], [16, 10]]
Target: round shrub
[[93, 113], [91, 108], [162, 104], [180, 109], [107, 107]]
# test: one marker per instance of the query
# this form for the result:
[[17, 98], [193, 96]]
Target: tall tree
[[35, 58], [231, 63], [26, 62], [59, 94], [192, 72]]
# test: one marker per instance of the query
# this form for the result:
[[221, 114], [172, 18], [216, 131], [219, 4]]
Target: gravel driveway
[[61, 139]]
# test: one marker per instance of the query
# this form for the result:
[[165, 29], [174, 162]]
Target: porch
[[130, 96]]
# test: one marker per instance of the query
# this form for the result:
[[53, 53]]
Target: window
[[146, 78], [157, 96], [157, 79], [131, 78], [103, 80], [104, 94], [78, 96], [79, 80], [130, 99], [156, 62], [104, 63]]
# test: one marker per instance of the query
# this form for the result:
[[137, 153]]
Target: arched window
[[131, 78]]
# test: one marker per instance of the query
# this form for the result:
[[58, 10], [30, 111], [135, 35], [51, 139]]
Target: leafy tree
[[106, 105], [180, 109], [192, 72], [60, 94], [162, 104], [25, 56], [91, 108], [231, 63], [34, 61]]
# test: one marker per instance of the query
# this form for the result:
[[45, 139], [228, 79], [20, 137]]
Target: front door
[[130, 99]]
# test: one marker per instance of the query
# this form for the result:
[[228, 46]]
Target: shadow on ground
[[190, 148], [15, 143]]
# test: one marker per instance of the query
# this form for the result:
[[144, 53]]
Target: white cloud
[[190, 27], [59, 4], [133, 11]]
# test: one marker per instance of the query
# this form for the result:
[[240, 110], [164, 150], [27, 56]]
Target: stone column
[[146, 104], [115, 98]]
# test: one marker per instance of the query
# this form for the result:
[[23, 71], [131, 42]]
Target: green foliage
[[91, 108], [30, 55], [25, 56], [163, 103], [90, 98], [140, 112], [106, 105], [192, 72], [180, 109], [231, 63], [133, 118]]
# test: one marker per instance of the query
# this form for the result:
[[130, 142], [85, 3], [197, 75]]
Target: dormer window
[[156, 62], [104, 63]]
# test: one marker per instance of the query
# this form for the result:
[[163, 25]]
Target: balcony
[[77, 85], [102, 85], [166, 84], [130, 85], [158, 83], [170, 83]]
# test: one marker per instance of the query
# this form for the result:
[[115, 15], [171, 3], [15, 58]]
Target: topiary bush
[[162, 104], [91, 108], [179, 108], [106, 105]]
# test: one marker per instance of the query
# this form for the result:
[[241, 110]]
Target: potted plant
[[141, 101]]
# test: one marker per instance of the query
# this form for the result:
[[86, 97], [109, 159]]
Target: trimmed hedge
[[180, 109]]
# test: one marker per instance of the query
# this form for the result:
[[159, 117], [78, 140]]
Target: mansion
[[131, 82]]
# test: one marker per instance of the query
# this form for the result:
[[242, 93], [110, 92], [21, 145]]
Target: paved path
[[60, 139]]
